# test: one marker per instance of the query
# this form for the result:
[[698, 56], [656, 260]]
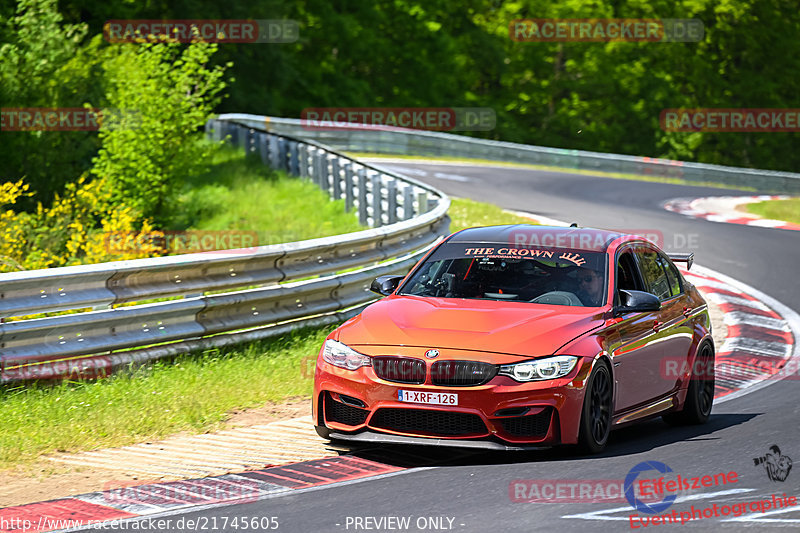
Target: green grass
[[193, 393], [548, 168], [242, 194], [786, 210], [465, 213]]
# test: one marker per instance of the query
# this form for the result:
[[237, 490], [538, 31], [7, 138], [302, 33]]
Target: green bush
[[43, 64], [160, 94]]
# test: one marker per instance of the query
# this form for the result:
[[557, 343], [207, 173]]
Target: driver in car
[[590, 287]]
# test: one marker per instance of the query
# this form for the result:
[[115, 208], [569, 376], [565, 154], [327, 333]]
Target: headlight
[[343, 356], [540, 369]]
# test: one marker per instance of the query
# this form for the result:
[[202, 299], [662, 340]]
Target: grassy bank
[[786, 210], [242, 194]]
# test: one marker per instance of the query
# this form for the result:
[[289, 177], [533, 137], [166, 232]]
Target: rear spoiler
[[687, 258]]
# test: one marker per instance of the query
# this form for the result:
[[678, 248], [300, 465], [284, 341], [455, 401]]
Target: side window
[[627, 274], [655, 277], [673, 277]]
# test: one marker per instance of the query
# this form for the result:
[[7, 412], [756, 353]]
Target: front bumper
[[372, 437], [360, 406]]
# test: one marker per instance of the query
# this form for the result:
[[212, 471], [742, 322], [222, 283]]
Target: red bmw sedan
[[519, 337]]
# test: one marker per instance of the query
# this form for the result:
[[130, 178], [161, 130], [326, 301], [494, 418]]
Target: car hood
[[516, 328]]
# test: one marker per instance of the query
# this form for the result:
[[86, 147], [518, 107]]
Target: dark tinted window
[[673, 276], [655, 276], [627, 275], [553, 276]]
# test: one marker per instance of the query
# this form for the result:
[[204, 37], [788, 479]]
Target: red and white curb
[[760, 347], [175, 497], [723, 209]]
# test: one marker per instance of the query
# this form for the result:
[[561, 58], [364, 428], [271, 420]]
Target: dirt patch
[[293, 408], [44, 480]]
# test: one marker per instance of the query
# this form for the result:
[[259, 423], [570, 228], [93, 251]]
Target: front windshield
[[480, 271]]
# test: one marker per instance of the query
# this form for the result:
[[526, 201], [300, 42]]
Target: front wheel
[[700, 395], [596, 416]]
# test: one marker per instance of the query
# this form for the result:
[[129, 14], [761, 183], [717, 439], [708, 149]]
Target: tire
[[700, 395], [595, 424]]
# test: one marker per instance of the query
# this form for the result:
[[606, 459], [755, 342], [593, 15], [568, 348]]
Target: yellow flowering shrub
[[78, 228], [12, 238]]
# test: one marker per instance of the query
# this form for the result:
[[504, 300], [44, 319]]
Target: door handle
[[687, 311], [657, 325]]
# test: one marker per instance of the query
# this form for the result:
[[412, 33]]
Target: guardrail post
[[312, 164], [302, 160], [263, 147], [377, 198], [283, 164], [408, 202], [275, 152], [233, 131], [422, 202], [274, 161], [391, 192], [336, 191], [243, 135], [362, 196], [348, 187], [294, 163], [321, 169]]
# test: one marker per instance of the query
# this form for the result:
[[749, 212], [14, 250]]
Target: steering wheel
[[558, 298]]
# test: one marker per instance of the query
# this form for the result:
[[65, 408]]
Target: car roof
[[521, 235]]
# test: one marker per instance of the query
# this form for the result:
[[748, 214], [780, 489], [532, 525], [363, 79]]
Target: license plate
[[430, 398]]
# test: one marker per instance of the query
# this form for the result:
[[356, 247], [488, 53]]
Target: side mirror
[[385, 285], [637, 301]]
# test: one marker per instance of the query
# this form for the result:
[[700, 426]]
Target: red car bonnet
[[518, 328]]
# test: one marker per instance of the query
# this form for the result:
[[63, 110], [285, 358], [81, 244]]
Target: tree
[[159, 95]]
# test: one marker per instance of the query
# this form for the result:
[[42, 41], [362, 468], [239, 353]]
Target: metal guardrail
[[400, 141], [407, 218]]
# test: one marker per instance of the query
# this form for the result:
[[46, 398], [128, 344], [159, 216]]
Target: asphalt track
[[470, 492]]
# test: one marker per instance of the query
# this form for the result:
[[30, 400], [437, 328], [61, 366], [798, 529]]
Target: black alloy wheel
[[596, 417]]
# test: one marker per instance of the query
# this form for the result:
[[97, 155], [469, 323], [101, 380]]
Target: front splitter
[[372, 437]]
